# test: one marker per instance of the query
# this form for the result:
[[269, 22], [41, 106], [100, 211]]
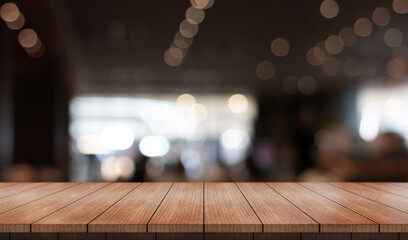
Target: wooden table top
[[204, 207]]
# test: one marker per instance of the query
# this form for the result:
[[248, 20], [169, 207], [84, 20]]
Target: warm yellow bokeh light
[[27, 38], [363, 27], [381, 16], [9, 12], [185, 100], [238, 103], [188, 29], [194, 15], [334, 44]]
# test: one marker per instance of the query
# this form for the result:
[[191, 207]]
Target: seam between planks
[[250, 205], [368, 198], [147, 224], [87, 225], [381, 189], [342, 206], [293, 204], [39, 199], [69, 204], [25, 190]]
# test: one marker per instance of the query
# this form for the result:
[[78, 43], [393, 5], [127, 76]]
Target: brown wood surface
[[20, 218], [30, 195], [11, 189], [226, 210], [276, 213], [390, 219], [181, 210], [386, 198], [75, 217], [133, 212], [331, 216], [389, 187]]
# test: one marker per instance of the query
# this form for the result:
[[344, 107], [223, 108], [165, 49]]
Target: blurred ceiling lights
[[329, 8], [27, 37], [175, 55]]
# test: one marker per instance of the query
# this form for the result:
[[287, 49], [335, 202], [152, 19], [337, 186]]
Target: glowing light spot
[[173, 56], [280, 47], [334, 44], [198, 113], [396, 68], [18, 24], [27, 38], [117, 137], [234, 139], [113, 168], [188, 29], [363, 27], [400, 6], [315, 56], [194, 15], [154, 146], [393, 37], [329, 8], [9, 12], [265, 70], [90, 144], [202, 4], [185, 100], [238, 103], [381, 16], [190, 159], [370, 123], [393, 108]]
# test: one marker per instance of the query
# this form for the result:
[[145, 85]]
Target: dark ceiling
[[233, 38]]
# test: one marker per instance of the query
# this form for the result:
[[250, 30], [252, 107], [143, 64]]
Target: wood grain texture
[[226, 210], [33, 194], [390, 219], [331, 216], [277, 236], [276, 213], [133, 212], [20, 218], [5, 184], [389, 187], [75, 217], [181, 210], [386, 198], [130, 236], [12, 189]]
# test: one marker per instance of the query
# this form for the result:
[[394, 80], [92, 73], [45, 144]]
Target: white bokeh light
[[154, 146], [117, 137], [234, 139]]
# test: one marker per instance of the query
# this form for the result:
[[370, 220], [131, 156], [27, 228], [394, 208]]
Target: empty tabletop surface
[[199, 207]]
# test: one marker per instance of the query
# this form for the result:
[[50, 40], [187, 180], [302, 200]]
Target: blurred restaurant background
[[204, 90]]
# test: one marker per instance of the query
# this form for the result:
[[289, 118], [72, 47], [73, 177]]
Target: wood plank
[[6, 184], [276, 213], [181, 210], [131, 236], [390, 219], [12, 189], [374, 236], [402, 184], [331, 216], [75, 217], [277, 236], [386, 198], [33, 194], [226, 210], [20, 218], [133, 212], [389, 187]]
